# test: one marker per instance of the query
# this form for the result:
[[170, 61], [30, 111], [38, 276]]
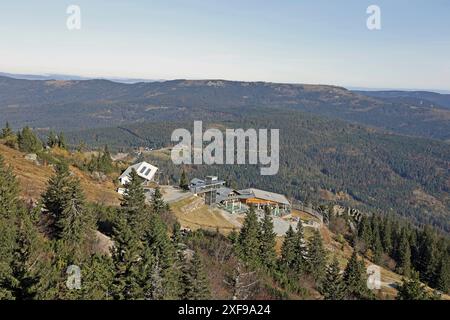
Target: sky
[[294, 41]]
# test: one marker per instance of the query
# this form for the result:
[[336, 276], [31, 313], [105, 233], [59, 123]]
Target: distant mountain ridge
[[83, 104]]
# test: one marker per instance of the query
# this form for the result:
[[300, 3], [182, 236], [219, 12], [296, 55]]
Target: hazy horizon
[[285, 42]]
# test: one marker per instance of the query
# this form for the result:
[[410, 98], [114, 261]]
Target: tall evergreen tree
[[404, 255], [6, 131], [62, 141], [52, 139], [75, 225], [288, 252], [133, 205], [9, 204], [160, 246], [300, 262], [268, 241], [355, 279], [126, 255], [28, 141], [184, 182], [386, 235], [195, 282], [316, 257], [412, 289], [248, 242], [158, 204], [56, 196], [443, 276], [333, 287]]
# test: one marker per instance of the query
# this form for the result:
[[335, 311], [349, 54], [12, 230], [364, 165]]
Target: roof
[[197, 181], [144, 169], [265, 195]]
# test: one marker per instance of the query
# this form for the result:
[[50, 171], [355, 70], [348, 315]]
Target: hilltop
[[84, 104]]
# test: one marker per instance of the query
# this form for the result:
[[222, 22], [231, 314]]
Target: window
[[148, 172], [143, 170]]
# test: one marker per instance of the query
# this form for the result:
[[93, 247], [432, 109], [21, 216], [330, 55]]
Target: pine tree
[[268, 241], [126, 255], [184, 183], [443, 277], [354, 278], [75, 225], [365, 233], [9, 191], [56, 196], [9, 204], [404, 258], [6, 131], [288, 252], [61, 141], [158, 204], [386, 236], [412, 289], [165, 257], [97, 275], [195, 282], [134, 207], [248, 242], [52, 139], [28, 141], [333, 287], [300, 262], [26, 263], [377, 246], [316, 257]]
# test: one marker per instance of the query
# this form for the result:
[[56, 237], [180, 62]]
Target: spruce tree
[[288, 252], [386, 236], [333, 287], [6, 131], [412, 289], [248, 242], [9, 191], [52, 139], [133, 205], [97, 276], [300, 262], [195, 282], [28, 141], [61, 141], [355, 279], [26, 265], [404, 255], [268, 241], [9, 205], [75, 225], [126, 255], [158, 204], [160, 246], [316, 257], [184, 183], [56, 196], [443, 276], [377, 246]]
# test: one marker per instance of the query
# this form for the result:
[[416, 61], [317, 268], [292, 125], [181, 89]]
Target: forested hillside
[[150, 257], [100, 103], [374, 171]]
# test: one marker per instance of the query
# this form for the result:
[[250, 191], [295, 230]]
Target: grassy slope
[[33, 179]]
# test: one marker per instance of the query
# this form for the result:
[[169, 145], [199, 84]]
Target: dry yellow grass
[[33, 179], [202, 217]]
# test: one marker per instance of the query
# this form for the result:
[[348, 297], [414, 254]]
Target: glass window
[[143, 170], [148, 172]]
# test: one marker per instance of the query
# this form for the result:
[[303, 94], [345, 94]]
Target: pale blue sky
[[272, 40]]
